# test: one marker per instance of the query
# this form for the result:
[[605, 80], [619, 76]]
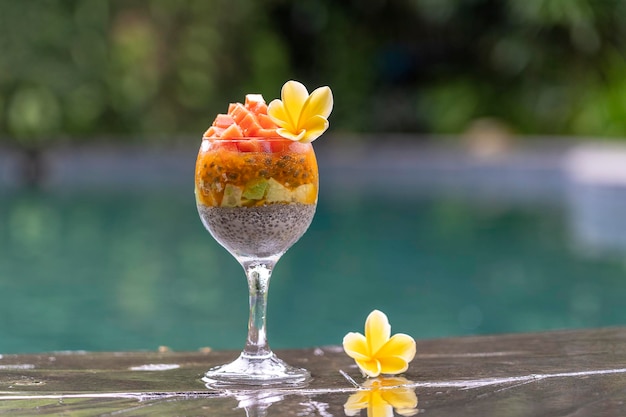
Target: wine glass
[[257, 197]]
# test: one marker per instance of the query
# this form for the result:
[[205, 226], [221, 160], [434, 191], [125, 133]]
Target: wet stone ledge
[[581, 373]]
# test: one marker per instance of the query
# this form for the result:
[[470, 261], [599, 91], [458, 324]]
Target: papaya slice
[[249, 125], [243, 120], [265, 121], [250, 145], [209, 133], [223, 121], [255, 103], [232, 131]]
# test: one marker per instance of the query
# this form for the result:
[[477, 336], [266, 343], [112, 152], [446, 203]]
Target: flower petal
[[356, 402], [407, 412], [350, 412], [314, 128], [289, 134], [355, 345], [378, 407], [370, 367], [377, 331], [393, 382], [400, 345], [400, 397], [319, 103], [278, 114], [392, 365], [294, 92], [294, 95]]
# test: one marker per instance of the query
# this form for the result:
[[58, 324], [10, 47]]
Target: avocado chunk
[[255, 189]]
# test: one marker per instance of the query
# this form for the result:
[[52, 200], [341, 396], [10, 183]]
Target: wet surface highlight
[[580, 373]]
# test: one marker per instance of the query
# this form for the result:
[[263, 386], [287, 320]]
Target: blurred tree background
[[155, 70]]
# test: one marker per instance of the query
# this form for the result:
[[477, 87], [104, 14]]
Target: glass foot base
[[248, 371]]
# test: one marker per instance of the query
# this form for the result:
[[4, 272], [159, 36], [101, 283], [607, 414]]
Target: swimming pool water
[[126, 270]]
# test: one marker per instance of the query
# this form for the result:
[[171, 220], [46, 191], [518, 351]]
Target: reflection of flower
[[300, 116], [376, 353], [381, 396]]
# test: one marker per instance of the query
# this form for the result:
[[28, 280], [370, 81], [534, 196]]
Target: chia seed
[[261, 231]]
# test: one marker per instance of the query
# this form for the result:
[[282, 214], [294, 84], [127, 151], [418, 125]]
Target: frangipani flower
[[381, 396], [377, 353], [301, 117]]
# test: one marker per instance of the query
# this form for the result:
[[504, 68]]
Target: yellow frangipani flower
[[301, 117], [380, 396], [377, 353]]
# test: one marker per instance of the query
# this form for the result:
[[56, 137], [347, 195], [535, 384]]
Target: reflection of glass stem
[[256, 404], [256, 411], [258, 273]]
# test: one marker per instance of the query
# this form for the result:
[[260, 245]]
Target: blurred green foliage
[[156, 69]]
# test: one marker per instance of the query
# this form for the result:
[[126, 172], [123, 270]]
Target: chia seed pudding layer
[[261, 231]]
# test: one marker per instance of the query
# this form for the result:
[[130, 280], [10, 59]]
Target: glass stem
[[258, 273]]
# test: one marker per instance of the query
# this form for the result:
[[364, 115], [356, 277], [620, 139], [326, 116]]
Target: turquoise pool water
[[135, 270]]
